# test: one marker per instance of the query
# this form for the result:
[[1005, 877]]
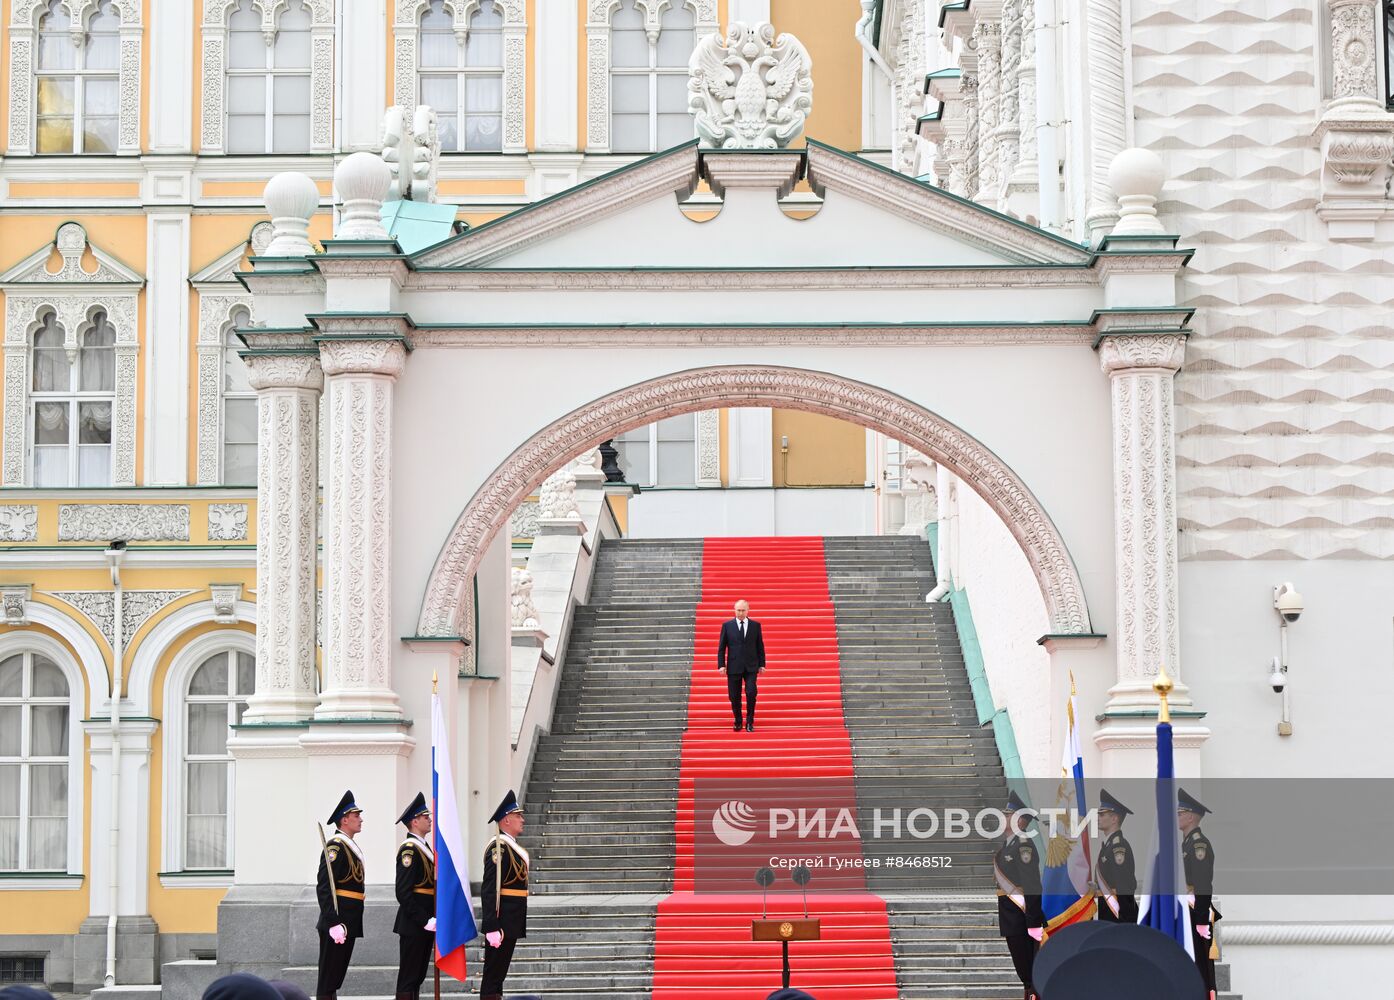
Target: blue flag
[[1164, 909]]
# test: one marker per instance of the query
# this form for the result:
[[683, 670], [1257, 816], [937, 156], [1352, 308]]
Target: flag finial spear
[[1163, 685], [433, 682]]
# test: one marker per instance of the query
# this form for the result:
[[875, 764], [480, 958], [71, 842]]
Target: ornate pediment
[[223, 270], [71, 244]]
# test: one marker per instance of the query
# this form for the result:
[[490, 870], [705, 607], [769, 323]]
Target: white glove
[[338, 933], [1203, 930], [495, 938], [1035, 933], [430, 924]]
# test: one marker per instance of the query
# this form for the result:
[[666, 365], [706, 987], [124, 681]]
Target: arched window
[[268, 86], [78, 104], [239, 408], [464, 82], [34, 721], [72, 404], [660, 454], [217, 697], [648, 78]]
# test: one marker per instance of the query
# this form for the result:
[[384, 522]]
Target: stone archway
[[732, 386]]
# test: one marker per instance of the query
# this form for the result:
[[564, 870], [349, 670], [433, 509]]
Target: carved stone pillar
[[358, 642], [1008, 126], [1141, 369], [288, 390], [1107, 109], [988, 41], [1024, 179], [1355, 132], [969, 153]]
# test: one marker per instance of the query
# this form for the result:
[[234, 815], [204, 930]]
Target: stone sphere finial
[[291, 198], [1136, 176], [362, 181]]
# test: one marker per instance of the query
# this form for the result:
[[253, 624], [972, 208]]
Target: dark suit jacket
[[507, 912], [741, 655]]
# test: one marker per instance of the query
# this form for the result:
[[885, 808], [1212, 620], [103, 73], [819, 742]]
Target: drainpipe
[[942, 562], [863, 33], [114, 555], [1047, 115]]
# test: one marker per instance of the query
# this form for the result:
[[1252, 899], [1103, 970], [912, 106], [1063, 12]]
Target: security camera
[[1288, 602], [1278, 678]]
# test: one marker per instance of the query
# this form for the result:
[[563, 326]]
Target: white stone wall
[[1009, 616]]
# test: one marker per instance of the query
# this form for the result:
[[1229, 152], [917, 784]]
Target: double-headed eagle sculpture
[[750, 90]]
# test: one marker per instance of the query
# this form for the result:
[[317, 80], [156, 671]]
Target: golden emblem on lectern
[[786, 929]]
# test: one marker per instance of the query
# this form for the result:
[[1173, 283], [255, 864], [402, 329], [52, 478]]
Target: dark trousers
[[1023, 949], [1204, 962], [1127, 910], [733, 688], [414, 955], [333, 964], [496, 962]]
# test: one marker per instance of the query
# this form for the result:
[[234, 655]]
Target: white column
[[167, 349], [749, 11], [1021, 190], [133, 818], [709, 448], [751, 446], [557, 31], [1008, 124], [1107, 110], [288, 388], [988, 39], [171, 74], [364, 74], [1141, 369], [358, 640]]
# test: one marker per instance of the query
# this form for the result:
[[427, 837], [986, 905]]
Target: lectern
[[786, 929]]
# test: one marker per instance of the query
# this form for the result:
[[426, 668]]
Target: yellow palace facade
[[139, 136]]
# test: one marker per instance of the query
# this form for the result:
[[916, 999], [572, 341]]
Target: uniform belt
[[349, 894], [513, 892], [425, 892]]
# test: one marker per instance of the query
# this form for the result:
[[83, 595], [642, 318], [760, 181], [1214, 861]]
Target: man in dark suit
[[741, 657], [339, 887]]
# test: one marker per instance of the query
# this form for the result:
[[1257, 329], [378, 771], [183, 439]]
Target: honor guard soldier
[[1199, 859], [1116, 873], [416, 900], [339, 887], [503, 897], [1020, 918]]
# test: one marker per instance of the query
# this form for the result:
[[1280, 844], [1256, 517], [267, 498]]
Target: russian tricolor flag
[[1066, 896], [455, 926], [1163, 908]]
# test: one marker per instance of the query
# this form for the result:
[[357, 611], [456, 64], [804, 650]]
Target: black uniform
[[507, 911], [1117, 878], [1016, 865], [416, 904], [1199, 858], [348, 877]]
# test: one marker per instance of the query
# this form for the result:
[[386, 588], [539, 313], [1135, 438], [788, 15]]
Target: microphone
[[764, 878], [802, 876]]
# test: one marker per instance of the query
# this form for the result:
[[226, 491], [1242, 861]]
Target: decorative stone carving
[[1136, 175], [522, 523], [137, 606], [24, 23], [362, 180], [1008, 123], [14, 602], [1141, 368], [709, 448], [215, 310], [224, 597], [917, 486], [448, 596], [1108, 109], [358, 637], [288, 388], [227, 522], [1025, 177], [129, 522], [557, 498], [987, 40], [598, 55], [589, 462], [525, 613], [19, 523], [750, 90], [413, 139], [215, 35]]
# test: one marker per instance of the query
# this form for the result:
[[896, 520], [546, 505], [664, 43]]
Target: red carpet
[[703, 946]]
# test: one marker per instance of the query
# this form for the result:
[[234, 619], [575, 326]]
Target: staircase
[[916, 741]]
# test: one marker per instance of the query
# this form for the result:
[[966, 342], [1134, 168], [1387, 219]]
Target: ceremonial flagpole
[[435, 900]]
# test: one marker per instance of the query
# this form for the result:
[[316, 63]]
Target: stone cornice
[[841, 335], [363, 356], [1123, 353], [361, 325], [831, 169]]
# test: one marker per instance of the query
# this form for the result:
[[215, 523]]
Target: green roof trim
[[962, 5]]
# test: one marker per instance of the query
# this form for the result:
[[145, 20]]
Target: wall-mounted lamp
[[1288, 603]]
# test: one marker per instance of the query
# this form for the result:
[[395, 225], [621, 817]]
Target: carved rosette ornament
[[1141, 370], [750, 90], [288, 390], [360, 377]]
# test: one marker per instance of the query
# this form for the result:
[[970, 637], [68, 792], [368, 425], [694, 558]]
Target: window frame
[[270, 75], [655, 467], [230, 701], [651, 73], [175, 726], [225, 396], [73, 397], [30, 643], [462, 73], [81, 75]]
